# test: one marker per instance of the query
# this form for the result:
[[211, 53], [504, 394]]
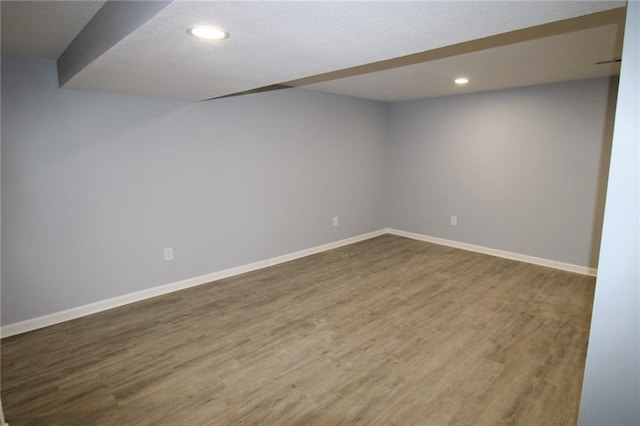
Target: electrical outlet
[[168, 254], [454, 220], [336, 221]]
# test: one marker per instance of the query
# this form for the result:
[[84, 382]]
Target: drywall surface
[[523, 170], [95, 186], [611, 388]]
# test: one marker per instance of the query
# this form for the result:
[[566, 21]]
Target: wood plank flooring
[[389, 331]]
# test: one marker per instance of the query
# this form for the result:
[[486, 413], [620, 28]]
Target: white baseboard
[[103, 305], [498, 253]]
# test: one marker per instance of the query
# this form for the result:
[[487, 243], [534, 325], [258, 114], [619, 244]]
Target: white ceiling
[[274, 42], [43, 29], [547, 60]]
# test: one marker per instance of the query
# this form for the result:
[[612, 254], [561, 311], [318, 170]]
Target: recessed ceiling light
[[461, 80], [208, 32]]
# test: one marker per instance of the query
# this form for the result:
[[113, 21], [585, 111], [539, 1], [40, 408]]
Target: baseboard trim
[[498, 253], [103, 305]]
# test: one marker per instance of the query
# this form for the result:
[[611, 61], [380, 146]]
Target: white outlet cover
[[168, 254]]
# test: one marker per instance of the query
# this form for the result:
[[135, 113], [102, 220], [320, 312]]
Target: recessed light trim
[[208, 32], [461, 80]]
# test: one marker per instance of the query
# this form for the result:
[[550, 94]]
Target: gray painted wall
[[95, 185], [524, 170], [611, 388]]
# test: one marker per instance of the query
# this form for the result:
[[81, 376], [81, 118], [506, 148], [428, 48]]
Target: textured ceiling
[[43, 29], [275, 42], [546, 60]]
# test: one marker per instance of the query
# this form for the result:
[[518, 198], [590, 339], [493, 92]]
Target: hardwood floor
[[389, 331]]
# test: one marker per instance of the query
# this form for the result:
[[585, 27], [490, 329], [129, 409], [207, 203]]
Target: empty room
[[319, 213]]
